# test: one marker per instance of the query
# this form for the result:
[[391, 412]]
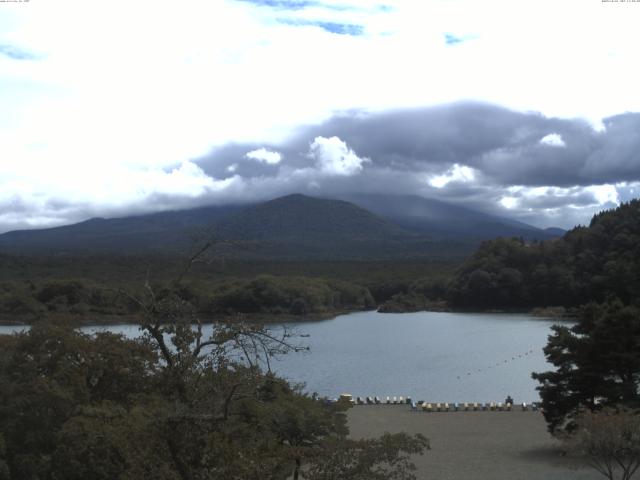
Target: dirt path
[[475, 445]]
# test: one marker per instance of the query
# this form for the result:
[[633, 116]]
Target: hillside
[[443, 220], [149, 233], [303, 219], [587, 264], [294, 226], [298, 226]]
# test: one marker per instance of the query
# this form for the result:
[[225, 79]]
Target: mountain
[[293, 226], [444, 220], [290, 226], [558, 232], [299, 218], [152, 232], [301, 226]]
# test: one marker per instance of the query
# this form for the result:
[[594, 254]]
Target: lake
[[452, 357]]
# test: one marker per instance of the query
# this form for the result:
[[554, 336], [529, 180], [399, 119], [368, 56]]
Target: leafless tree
[[610, 439]]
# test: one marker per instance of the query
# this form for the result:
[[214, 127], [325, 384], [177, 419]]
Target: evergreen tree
[[597, 364]]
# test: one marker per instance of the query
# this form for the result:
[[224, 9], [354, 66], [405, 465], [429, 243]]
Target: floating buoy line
[[501, 363]]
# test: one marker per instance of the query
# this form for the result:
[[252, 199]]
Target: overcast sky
[[526, 109]]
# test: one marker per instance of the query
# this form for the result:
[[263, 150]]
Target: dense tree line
[[588, 264], [423, 294], [89, 287], [289, 295], [264, 294]]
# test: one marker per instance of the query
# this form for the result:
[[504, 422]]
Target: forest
[[90, 289], [592, 263]]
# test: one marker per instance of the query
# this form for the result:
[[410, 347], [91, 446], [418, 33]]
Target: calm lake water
[[452, 357]]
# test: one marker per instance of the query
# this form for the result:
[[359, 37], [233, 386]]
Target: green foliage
[[587, 264], [75, 406], [28, 301], [384, 458], [107, 441], [597, 364], [47, 373], [423, 294], [291, 295], [90, 289]]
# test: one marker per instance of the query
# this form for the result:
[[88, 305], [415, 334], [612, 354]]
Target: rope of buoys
[[498, 364]]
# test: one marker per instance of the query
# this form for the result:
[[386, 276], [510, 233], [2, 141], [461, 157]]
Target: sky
[[520, 108]]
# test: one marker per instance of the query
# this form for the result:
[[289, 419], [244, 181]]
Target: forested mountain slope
[[587, 264], [445, 220], [294, 226], [139, 233]]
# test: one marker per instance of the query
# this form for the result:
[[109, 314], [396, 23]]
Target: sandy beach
[[475, 445]]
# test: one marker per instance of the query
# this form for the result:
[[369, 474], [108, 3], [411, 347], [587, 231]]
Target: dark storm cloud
[[406, 149], [552, 198], [587, 157], [229, 160], [618, 159], [432, 139], [503, 145], [523, 165]]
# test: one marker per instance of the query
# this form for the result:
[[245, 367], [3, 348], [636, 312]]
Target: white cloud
[[89, 119], [594, 195], [509, 202], [568, 202], [186, 180], [604, 193], [334, 157], [265, 156], [41, 201], [553, 140], [457, 173]]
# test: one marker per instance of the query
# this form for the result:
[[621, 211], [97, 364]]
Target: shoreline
[[110, 319], [558, 313]]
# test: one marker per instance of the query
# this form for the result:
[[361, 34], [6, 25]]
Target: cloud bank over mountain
[[235, 100], [542, 170], [546, 171]]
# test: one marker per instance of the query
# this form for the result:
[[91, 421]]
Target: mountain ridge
[[446, 220], [293, 225]]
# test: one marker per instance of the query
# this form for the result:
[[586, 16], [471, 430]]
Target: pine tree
[[597, 364]]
